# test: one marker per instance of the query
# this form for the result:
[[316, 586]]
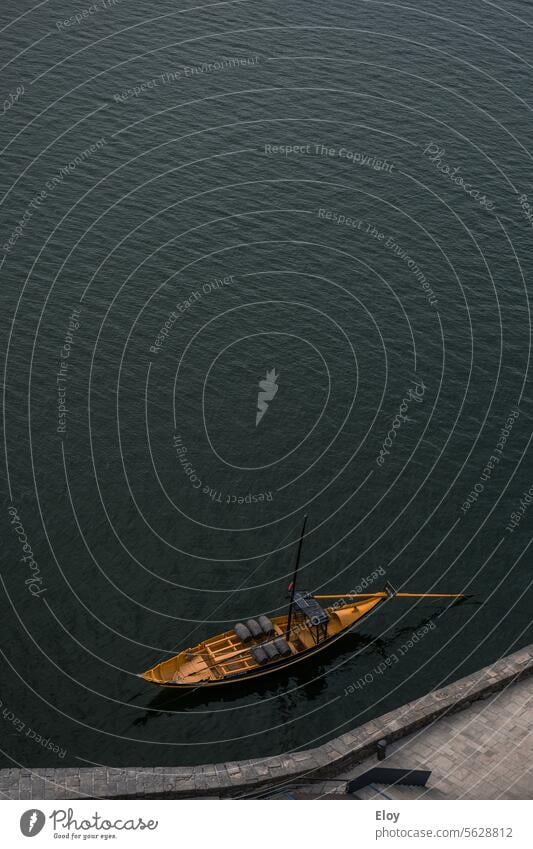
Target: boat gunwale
[[273, 666]]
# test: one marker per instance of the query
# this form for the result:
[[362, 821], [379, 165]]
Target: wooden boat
[[263, 646]]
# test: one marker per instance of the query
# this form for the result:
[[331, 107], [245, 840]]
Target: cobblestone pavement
[[484, 752]]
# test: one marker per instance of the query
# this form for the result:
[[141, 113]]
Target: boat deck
[[225, 656]]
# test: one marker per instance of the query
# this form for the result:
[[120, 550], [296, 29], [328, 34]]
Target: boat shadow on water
[[307, 681]]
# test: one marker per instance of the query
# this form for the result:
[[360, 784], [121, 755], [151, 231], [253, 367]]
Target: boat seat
[[266, 625], [282, 646], [244, 634], [254, 628], [259, 655]]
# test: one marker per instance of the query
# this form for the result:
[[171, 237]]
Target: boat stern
[[186, 669], [166, 672]]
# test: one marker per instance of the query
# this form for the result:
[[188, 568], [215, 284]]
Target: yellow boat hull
[[224, 659]]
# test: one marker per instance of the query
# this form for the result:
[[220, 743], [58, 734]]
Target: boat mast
[[293, 585]]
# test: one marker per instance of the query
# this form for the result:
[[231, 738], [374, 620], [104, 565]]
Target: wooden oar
[[393, 595]]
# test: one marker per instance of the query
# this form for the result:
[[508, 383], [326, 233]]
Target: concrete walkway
[[484, 752]]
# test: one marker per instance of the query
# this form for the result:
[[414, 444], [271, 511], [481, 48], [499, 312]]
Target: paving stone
[[200, 782], [234, 769], [50, 791]]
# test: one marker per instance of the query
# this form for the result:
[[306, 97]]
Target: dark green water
[[140, 186]]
